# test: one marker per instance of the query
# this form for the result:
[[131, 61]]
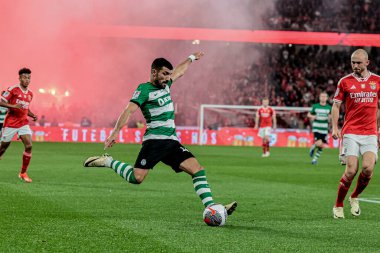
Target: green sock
[[202, 188], [124, 170], [318, 153]]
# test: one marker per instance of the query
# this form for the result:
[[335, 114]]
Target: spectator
[[85, 122]]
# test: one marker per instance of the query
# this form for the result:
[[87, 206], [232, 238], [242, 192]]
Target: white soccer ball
[[215, 215]]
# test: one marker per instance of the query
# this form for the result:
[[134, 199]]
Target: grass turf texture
[[285, 204]]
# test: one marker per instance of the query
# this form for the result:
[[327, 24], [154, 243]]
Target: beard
[[358, 71], [159, 84]]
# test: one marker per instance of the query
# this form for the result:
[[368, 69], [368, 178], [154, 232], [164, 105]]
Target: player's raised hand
[[110, 140], [198, 55]]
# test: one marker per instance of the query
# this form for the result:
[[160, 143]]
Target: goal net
[[232, 117]]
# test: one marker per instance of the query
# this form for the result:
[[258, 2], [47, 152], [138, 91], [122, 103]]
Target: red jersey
[[17, 118], [361, 97], [266, 115]]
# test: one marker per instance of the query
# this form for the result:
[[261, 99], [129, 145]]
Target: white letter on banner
[[213, 138], [65, 133], [121, 139], [84, 132], [103, 135], [75, 135], [138, 136], [204, 138], [93, 135], [194, 138]]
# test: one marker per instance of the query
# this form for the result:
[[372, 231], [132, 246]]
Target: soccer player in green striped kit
[[160, 142], [320, 114]]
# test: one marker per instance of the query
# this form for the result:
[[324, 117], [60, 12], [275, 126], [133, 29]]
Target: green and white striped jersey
[[3, 112], [158, 110], [321, 122]]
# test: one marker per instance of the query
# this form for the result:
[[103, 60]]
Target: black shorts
[[319, 136], [170, 152]]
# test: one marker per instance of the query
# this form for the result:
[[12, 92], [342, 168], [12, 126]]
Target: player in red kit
[[265, 120], [17, 98], [360, 92]]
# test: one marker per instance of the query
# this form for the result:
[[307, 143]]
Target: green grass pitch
[[285, 204]]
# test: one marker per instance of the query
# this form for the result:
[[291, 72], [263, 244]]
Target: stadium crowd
[[294, 76], [324, 16]]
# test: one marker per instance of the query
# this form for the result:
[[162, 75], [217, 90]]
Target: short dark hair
[[159, 63], [24, 71]]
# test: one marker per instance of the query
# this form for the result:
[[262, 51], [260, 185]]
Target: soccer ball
[[215, 215]]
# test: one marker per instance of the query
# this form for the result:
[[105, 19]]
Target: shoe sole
[[232, 208], [356, 214], [89, 160]]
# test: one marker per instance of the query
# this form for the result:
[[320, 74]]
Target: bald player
[[360, 92]]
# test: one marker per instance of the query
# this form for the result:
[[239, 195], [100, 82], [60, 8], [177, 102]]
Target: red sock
[[264, 148], [25, 161], [344, 185], [362, 183], [267, 146]]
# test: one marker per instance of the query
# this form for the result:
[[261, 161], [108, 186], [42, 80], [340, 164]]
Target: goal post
[[232, 111]]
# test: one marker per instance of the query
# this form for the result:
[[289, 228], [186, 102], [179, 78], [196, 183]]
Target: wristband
[[192, 57]]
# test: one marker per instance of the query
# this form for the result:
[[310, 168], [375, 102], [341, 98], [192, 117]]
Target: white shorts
[[264, 131], [357, 145], [9, 132]]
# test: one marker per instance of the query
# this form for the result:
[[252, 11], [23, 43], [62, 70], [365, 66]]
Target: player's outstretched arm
[[181, 68], [121, 122], [334, 120]]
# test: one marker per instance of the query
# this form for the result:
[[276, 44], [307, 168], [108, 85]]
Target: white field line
[[373, 200]]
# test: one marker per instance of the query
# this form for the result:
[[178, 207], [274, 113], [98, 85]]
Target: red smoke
[[100, 74]]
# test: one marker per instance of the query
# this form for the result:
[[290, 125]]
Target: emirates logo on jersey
[[24, 104], [363, 97]]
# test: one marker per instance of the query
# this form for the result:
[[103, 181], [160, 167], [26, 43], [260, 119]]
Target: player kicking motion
[[265, 119], [160, 142], [360, 92], [17, 99], [320, 115]]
